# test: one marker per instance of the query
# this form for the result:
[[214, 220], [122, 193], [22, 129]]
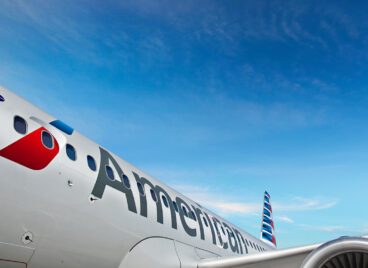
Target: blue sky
[[220, 99]]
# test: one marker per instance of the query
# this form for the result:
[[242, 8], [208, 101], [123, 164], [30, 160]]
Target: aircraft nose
[[2, 99]]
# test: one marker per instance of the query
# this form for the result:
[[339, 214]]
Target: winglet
[[268, 227]]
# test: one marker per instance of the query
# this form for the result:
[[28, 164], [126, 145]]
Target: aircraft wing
[[345, 252], [287, 258]]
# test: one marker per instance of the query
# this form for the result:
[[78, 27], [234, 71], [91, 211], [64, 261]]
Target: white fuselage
[[67, 215]]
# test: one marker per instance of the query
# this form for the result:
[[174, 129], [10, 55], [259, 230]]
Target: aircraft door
[[14, 256], [187, 255], [8, 264], [153, 252]]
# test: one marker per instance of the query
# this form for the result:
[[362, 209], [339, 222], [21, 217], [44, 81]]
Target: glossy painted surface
[[46, 194]]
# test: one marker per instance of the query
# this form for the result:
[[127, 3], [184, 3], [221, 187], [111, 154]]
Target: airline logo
[[29, 151], [221, 233], [268, 228]]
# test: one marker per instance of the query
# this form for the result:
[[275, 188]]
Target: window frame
[[107, 173], [52, 140], [26, 125], [124, 179], [192, 215], [205, 221], [153, 195], [90, 157], [143, 193], [175, 206], [165, 201], [185, 212], [68, 145]]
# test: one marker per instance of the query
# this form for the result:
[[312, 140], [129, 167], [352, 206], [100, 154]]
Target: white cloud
[[336, 229], [232, 208], [326, 229], [285, 219], [226, 205], [222, 205], [302, 204]]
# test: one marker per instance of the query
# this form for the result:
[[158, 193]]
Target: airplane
[[67, 202]]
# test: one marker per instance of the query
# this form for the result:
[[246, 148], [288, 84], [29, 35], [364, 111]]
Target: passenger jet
[[67, 202]]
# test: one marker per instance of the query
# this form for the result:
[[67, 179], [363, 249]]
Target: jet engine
[[345, 252]]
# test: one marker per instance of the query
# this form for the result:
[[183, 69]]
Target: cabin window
[[192, 216], [126, 181], [47, 140], [91, 163], [70, 152], [110, 173], [185, 212], [140, 188], [164, 199], [221, 243], [205, 221], [242, 238], [175, 206], [153, 195], [20, 125]]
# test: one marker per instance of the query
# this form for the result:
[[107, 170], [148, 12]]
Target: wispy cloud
[[303, 204], [285, 219], [353, 230], [221, 204], [225, 205], [68, 25], [326, 228]]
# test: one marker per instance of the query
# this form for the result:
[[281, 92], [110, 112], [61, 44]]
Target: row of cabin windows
[[20, 126], [254, 246], [166, 203]]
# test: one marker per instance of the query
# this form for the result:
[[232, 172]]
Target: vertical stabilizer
[[268, 227]]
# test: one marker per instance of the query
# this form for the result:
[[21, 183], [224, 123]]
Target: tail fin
[[268, 227]]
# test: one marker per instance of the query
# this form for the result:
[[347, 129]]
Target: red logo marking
[[30, 152]]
